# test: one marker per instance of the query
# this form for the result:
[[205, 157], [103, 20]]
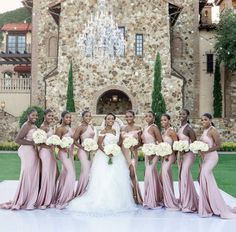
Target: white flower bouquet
[[163, 149], [53, 140], [39, 136], [89, 145], [130, 142], [181, 146], [197, 146], [66, 142], [112, 149], [149, 150]]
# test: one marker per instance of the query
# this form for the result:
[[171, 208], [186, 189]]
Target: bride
[[109, 189]]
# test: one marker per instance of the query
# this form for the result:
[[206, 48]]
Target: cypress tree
[[70, 104], [217, 93], [158, 102]]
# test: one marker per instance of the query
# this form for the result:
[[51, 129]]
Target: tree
[[158, 102], [217, 93], [70, 104], [226, 40]]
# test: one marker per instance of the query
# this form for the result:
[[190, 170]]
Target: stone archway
[[114, 99]]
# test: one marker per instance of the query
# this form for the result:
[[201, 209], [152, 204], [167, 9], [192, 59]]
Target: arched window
[[52, 47]]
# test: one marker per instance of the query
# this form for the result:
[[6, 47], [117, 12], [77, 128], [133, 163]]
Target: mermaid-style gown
[[49, 173], [188, 194], [153, 196], [210, 200], [135, 185], [84, 162], [109, 189]]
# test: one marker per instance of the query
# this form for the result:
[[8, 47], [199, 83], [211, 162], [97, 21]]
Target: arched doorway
[[115, 101]]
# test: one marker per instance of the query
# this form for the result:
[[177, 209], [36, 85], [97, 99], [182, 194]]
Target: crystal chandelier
[[101, 41]]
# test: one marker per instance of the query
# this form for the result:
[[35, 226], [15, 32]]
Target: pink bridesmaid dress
[[210, 200], [66, 180], [49, 172], [84, 162], [153, 196], [136, 190], [170, 200], [188, 194], [28, 187]]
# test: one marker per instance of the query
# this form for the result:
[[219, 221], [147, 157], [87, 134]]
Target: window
[[52, 51], [210, 63], [7, 80], [139, 44], [16, 43]]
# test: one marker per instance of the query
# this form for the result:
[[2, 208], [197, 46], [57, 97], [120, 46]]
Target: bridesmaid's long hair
[[208, 115], [63, 114]]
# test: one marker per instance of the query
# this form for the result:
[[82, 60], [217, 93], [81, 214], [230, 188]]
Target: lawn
[[225, 172]]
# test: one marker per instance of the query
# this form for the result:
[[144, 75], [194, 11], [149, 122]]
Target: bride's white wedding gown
[[109, 189]]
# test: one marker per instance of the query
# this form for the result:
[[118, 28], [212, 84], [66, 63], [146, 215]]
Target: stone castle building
[[167, 27]]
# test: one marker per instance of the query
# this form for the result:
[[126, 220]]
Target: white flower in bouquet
[[39, 136], [112, 149], [130, 142], [181, 146], [149, 149], [89, 145], [66, 142], [197, 146], [163, 149], [53, 140]]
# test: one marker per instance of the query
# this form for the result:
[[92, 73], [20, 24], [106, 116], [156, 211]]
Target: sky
[[7, 5]]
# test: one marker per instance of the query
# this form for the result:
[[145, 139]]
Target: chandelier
[[101, 41]]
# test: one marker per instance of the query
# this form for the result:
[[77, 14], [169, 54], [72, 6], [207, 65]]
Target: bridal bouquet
[[130, 142], [197, 146], [163, 149], [182, 146], [149, 150], [53, 140], [39, 136], [112, 149], [89, 145]]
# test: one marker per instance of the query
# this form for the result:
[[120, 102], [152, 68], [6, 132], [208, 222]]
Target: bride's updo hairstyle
[[110, 114]]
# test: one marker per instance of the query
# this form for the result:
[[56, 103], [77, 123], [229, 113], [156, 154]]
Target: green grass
[[225, 172]]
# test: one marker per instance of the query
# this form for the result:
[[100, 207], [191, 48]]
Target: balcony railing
[[15, 85]]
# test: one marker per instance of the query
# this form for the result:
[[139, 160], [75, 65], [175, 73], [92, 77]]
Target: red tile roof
[[18, 27]]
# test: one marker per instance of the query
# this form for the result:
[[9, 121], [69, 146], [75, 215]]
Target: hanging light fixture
[[101, 41], [115, 98]]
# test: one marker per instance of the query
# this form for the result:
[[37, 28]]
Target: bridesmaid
[[28, 187], [85, 130], [210, 199], [188, 194], [169, 136], [152, 187], [66, 180], [49, 173], [134, 131]]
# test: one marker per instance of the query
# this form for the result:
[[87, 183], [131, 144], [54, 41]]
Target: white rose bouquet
[[89, 145], [130, 142], [197, 146], [112, 149], [163, 149], [66, 143], [53, 140], [39, 136], [181, 146], [149, 149]]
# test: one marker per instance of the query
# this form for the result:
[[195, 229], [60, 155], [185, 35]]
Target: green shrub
[[23, 117], [228, 146], [9, 146]]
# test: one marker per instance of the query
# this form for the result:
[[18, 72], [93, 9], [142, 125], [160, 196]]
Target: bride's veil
[[118, 124]]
